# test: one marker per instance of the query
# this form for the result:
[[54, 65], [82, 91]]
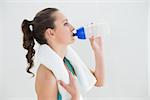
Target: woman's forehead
[[60, 16]]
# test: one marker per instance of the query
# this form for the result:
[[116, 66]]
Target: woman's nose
[[71, 27]]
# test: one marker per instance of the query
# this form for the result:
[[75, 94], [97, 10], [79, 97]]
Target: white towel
[[54, 62]]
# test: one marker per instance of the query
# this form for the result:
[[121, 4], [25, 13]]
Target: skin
[[96, 44], [58, 39]]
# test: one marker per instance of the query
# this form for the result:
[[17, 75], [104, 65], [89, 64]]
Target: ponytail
[[28, 43], [34, 30]]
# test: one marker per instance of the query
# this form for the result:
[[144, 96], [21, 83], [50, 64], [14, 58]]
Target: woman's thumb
[[63, 84]]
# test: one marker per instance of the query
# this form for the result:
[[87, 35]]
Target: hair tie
[[31, 27]]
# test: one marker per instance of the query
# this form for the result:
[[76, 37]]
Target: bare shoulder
[[45, 84]]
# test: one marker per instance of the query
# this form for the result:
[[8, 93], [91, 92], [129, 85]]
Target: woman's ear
[[49, 33]]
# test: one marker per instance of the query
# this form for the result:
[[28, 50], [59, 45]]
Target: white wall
[[125, 49], [148, 46], [0, 53]]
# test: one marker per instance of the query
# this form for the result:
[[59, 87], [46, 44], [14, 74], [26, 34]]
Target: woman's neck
[[59, 49]]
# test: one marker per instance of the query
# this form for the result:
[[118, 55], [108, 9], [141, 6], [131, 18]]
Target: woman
[[51, 27]]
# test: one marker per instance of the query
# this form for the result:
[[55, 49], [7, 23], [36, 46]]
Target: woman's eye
[[65, 23]]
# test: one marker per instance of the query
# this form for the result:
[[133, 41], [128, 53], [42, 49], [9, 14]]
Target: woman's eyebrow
[[65, 20]]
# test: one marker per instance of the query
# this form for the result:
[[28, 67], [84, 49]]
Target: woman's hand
[[96, 43], [72, 87]]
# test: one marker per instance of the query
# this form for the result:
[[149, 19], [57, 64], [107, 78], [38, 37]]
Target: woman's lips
[[73, 34]]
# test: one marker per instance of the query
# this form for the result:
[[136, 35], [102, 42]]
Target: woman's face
[[63, 29]]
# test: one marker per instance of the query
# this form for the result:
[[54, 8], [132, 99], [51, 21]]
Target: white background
[[125, 48]]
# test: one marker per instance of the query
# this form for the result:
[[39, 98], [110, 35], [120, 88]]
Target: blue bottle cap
[[80, 33]]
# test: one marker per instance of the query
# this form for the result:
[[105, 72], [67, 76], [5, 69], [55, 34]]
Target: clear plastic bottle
[[96, 29]]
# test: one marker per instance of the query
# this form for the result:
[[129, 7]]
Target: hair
[[35, 29]]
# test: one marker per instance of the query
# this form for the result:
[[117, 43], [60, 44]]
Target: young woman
[[51, 27]]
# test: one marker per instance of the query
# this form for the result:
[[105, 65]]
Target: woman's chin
[[72, 41]]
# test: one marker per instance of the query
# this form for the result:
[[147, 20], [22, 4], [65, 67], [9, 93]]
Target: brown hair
[[35, 30]]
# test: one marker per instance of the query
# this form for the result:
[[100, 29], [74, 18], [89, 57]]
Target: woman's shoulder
[[45, 81], [43, 74]]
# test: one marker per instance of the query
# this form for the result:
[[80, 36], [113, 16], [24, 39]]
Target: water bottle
[[96, 29]]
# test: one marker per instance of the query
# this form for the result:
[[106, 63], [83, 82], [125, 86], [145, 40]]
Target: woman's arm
[[46, 85], [99, 70], [96, 44]]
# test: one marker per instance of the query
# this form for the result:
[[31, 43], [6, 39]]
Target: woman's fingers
[[63, 84], [71, 76], [96, 42], [72, 87], [91, 40]]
